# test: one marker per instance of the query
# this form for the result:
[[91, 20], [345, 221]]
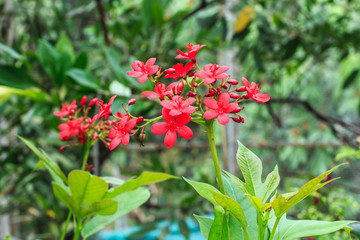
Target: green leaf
[[35, 94], [219, 228], [203, 190], [251, 168], [15, 77], [231, 206], [205, 225], [113, 180], [48, 59], [64, 45], [257, 203], [11, 52], [50, 165], [86, 191], [81, 61], [282, 205], [271, 183], [62, 193], [127, 202], [83, 78], [144, 179], [295, 229]]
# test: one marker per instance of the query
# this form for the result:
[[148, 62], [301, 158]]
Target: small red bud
[[95, 136], [237, 120], [114, 121], [218, 90], [195, 84], [131, 101], [238, 109], [62, 148], [139, 120], [225, 86], [179, 87], [232, 82], [93, 101], [241, 89], [83, 101], [245, 96], [234, 95], [191, 74], [207, 95], [119, 114], [108, 123], [191, 94]]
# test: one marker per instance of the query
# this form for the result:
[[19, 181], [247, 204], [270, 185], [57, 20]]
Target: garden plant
[[246, 208]]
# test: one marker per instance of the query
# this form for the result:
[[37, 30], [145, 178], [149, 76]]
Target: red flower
[[173, 126], [212, 72], [104, 108], [220, 108], [159, 91], [72, 127], [178, 106], [143, 71], [192, 50], [179, 71], [253, 91], [66, 110], [120, 132]]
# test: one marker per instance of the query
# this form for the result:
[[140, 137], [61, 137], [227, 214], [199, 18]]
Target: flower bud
[[225, 86], [232, 82], [108, 123], [211, 92], [88, 120], [179, 87], [238, 120], [245, 96], [218, 90], [195, 84], [93, 101], [131, 101], [142, 137], [139, 120], [234, 95], [191, 74], [238, 109], [191, 94], [241, 89], [95, 136], [62, 148], [83, 101]]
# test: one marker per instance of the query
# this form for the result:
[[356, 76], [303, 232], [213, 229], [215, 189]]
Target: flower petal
[[150, 94], [189, 101], [160, 128], [210, 114], [185, 132], [224, 98], [170, 138], [223, 119], [166, 115], [137, 66], [211, 103], [182, 119], [125, 139], [245, 82], [130, 125], [114, 143], [261, 97], [150, 62]]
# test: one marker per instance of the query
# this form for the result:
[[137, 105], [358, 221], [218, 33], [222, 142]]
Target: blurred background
[[305, 55]]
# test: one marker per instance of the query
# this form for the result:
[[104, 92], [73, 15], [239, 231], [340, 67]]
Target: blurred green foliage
[[54, 51]]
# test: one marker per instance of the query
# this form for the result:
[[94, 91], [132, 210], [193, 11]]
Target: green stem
[[66, 225], [210, 132], [274, 229], [86, 155], [260, 226], [77, 230], [246, 234]]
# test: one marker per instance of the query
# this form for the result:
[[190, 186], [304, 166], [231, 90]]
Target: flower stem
[[77, 230], [66, 225], [86, 155], [210, 132], [274, 229]]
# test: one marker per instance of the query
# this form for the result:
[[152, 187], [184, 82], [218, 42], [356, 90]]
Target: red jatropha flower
[[142, 71], [212, 72], [179, 71], [178, 106], [192, 50], [72, 127], [220, 108], [159, 91], [104, 108], [253, 91], [120, 132], [172, 126], [66, 110]]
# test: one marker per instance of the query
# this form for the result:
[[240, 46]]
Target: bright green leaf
[[63, 195], [127, 202], [271, 183], [295, 229], [219, 229], [64, 45], [145, 178], [205, 225], [203, 190], [14, 54]]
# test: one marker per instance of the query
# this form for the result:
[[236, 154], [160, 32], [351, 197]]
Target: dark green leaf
[[15, 77], [83, 78]]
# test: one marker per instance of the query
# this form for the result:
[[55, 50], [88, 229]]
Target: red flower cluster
[[85, 129], [179, 108]]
